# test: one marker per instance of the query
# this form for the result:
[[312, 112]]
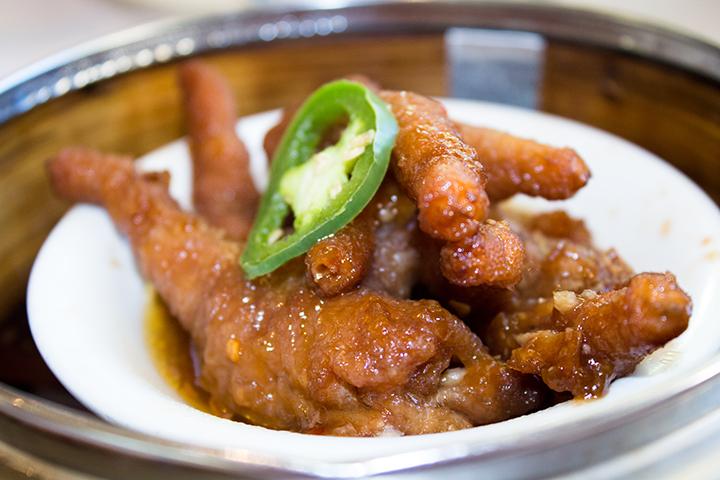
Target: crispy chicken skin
[[518, 165], [223, 189], [275, 353], [593, 339]]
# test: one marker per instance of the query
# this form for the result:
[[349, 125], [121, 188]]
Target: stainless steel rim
[[164, 41], [691, 393]]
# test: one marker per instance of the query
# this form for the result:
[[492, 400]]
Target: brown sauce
[[171, 352]]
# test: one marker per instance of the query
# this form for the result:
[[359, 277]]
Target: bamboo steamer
[[654, 87]]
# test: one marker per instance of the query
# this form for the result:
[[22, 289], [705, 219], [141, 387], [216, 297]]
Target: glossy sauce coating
[[555, 262], [276, 354], [596, 338], [518, 165], [494, 255], [334, 344], [436, 168], [339, 262], [396, 261]]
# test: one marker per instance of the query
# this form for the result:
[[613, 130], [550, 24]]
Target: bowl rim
[[161, 41]]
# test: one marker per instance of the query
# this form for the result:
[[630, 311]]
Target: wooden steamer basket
[[654, 87]]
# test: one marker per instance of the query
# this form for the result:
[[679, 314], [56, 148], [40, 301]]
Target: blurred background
[[33, 29]]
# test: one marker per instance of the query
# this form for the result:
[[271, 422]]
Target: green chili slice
[[323, 190]]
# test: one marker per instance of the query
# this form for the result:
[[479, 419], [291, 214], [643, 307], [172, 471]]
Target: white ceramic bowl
[[86, 300]]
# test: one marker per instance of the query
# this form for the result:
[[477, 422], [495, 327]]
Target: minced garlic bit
[[452, 376], [588, 294], [523, 338], [232, 350], [387, 214], [390, 431], [565, 300]]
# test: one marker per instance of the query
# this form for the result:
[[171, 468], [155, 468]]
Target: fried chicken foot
[[594, 339], [517, 165], [223, 189], [338, 263], [272, 351], [443, 175], [436, 168]]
